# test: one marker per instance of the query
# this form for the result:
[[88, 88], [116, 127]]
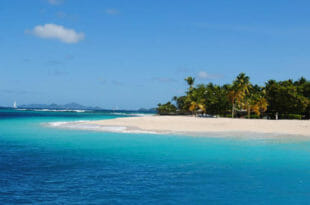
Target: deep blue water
[[44, 165]]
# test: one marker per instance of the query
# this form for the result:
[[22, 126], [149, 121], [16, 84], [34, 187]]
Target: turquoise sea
[[45, 165]]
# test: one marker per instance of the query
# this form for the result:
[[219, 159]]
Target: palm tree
[[256, 100], [259, 106], [232, 95], [175, 99], [190, 81], [252, 103], [262, 105], [239, 91], [195, 105], [195, 97]]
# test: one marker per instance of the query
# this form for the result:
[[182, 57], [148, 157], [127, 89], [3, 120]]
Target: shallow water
[[40, 164]]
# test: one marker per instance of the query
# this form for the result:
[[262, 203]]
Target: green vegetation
[[288, 99], [167, 109]]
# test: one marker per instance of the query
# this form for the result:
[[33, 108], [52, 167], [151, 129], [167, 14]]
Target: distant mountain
[[53, 106], [76, 106], [145, 110]]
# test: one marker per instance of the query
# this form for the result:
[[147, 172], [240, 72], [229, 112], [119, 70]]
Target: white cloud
[[112, 11], [203, 75], [206, 76], [55, 2], [53, 31]]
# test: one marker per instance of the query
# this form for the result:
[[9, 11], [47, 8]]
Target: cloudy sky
[[131, 54]]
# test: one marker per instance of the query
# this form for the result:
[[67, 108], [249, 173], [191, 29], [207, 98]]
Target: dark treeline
[[286, 99]]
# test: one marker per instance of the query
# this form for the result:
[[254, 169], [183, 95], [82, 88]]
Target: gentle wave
[[84, 125]]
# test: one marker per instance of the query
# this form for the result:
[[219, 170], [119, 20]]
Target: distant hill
[[53, 106], [76, 106], [145, 110]]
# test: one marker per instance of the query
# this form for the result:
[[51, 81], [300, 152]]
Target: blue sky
[[132, 54]]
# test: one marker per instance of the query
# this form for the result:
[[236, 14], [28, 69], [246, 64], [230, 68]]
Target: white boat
[[14, 105]]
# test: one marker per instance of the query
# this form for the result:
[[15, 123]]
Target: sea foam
[[85, 125]]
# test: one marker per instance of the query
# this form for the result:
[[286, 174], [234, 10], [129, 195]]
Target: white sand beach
[[197, 126]]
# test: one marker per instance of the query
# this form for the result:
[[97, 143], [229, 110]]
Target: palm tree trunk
[[249, 111], [233, 110]]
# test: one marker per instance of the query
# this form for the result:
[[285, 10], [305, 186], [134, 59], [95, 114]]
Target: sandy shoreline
[[195, 126]]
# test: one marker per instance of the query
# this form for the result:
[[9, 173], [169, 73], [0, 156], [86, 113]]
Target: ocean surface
[[45, 165]]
